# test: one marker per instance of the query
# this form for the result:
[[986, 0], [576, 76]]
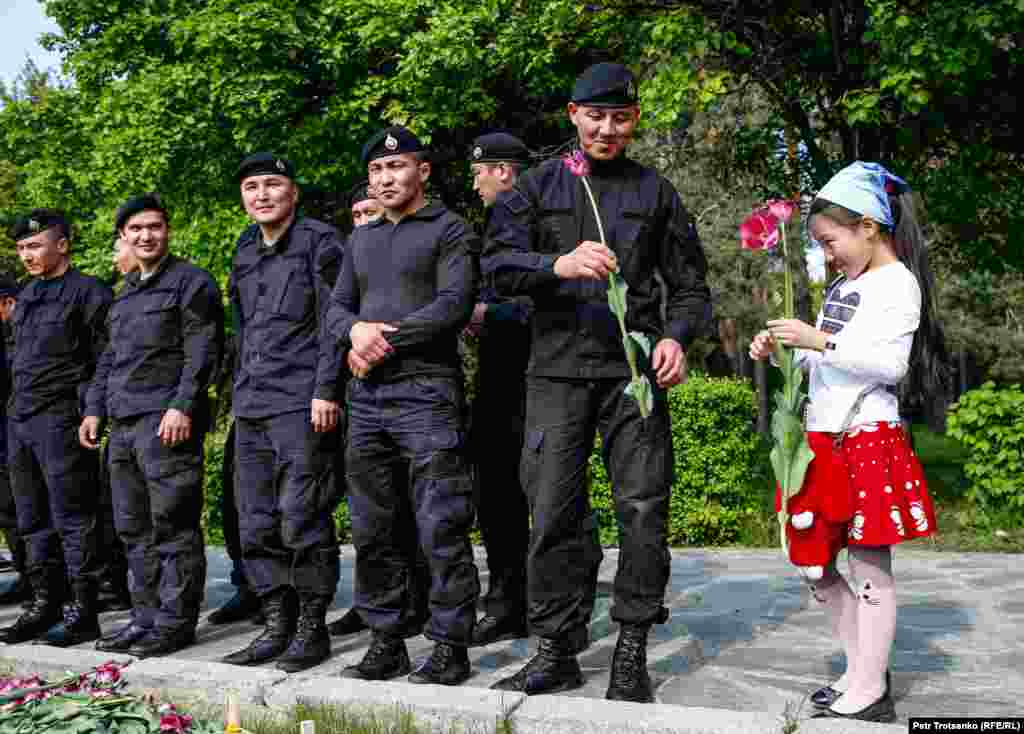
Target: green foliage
[[213, 486], [722, 478], [989, 423]]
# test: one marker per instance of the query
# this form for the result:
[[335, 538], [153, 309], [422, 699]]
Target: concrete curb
[[445, 709]]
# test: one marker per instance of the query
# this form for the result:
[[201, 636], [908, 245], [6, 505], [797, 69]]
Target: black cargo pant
[[496, 442], [55, 485], [562, 416], [158, 503], [417, 420], [8, 512], [113, 561], [286, 493], [229, 510]]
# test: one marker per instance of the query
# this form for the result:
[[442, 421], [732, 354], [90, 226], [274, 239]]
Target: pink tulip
[[782, 209], [175, 722], [108, 673], [577, 163], [760, 231]]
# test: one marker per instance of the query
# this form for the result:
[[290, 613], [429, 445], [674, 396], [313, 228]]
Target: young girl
[[865, 488]]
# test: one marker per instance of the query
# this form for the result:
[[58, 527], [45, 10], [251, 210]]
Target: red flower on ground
[[577, 163], [760, 231], [175, 722], [108, 673]]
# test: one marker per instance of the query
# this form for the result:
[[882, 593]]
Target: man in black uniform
[[286, 415], [496, 438], [166, 333], [18, 589], [542, 241], [58, 337], [365, 209], [406, 289]]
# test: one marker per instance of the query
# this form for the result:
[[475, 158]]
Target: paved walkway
[[745, 635]]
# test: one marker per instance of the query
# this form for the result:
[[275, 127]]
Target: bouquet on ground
[[765, 229]]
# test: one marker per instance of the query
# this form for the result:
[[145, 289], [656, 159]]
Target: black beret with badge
[[39, 220], [498, 148], [9, 287], [136, 204], [606, 85], [265, 164], [359, 192], [394, 140]]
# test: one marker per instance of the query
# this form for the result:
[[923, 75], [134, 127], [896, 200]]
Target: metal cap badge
[[390, 142], [478, 151]]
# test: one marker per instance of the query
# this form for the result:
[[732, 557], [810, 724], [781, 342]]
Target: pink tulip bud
[[760, 231], [577, 163], [782, 209]]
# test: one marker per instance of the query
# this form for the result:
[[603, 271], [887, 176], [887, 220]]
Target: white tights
[[862, 613]]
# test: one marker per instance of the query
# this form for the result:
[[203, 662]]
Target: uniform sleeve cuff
[[326, 392], [185, 406]]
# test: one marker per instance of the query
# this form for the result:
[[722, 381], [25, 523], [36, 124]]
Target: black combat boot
[[80, 623], [123, 637], [554, 668], [491, 629], [160, 641], [17, 590], [112, 594], [348, 624], [43, 611], [311, 644], [629, 680], [279, 610], [387, 658], [243, 605], [448, 665]]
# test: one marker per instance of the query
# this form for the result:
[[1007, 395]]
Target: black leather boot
[[15, 591], [243, 605], [448, 665], [492, 629], [122, 638], [387, 658], [311, 644], [44, 610], [349, 623], [80, 623], [112, 594], [629, 680], [279, 610], [160, 641], [554, 668]]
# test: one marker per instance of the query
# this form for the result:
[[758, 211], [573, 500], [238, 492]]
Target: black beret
[[265, 164], [136, 204], [606, 85], [359, 192], [9, 287], [498, 148], [393, 140], [37, 221]]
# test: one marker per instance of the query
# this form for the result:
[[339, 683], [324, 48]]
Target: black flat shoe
[[823, 698], [882, 711]]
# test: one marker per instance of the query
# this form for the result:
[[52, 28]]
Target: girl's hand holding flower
[[797, 334], [763, 346]]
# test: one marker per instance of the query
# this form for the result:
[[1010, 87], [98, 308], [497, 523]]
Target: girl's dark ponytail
[[926, 388]]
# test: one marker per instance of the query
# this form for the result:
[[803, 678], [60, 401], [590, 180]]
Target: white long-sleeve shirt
[[871, 321]]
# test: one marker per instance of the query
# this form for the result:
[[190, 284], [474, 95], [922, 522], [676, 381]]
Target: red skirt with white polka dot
[[871, 492]]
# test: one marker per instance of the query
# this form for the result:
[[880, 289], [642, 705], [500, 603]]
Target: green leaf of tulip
[[642, 341]]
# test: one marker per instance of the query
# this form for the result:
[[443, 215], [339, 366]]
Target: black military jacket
[[59, 335], [166, 341], [280, 296], [547, 214], [419, 275]]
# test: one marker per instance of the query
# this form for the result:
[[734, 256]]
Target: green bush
[[722, 478], [213, 485], [989, 423]]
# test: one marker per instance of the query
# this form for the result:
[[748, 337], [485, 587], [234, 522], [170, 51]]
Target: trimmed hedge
[[989, 423], [722, 476]]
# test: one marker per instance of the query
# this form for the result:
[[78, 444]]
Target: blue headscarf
[[864, 188]]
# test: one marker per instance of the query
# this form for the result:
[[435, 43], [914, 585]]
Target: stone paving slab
[[744, 636]]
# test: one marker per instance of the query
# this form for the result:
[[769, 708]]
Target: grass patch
[[333, 719]]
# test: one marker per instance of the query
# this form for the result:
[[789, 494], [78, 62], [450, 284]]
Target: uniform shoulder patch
[[516, 202]]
